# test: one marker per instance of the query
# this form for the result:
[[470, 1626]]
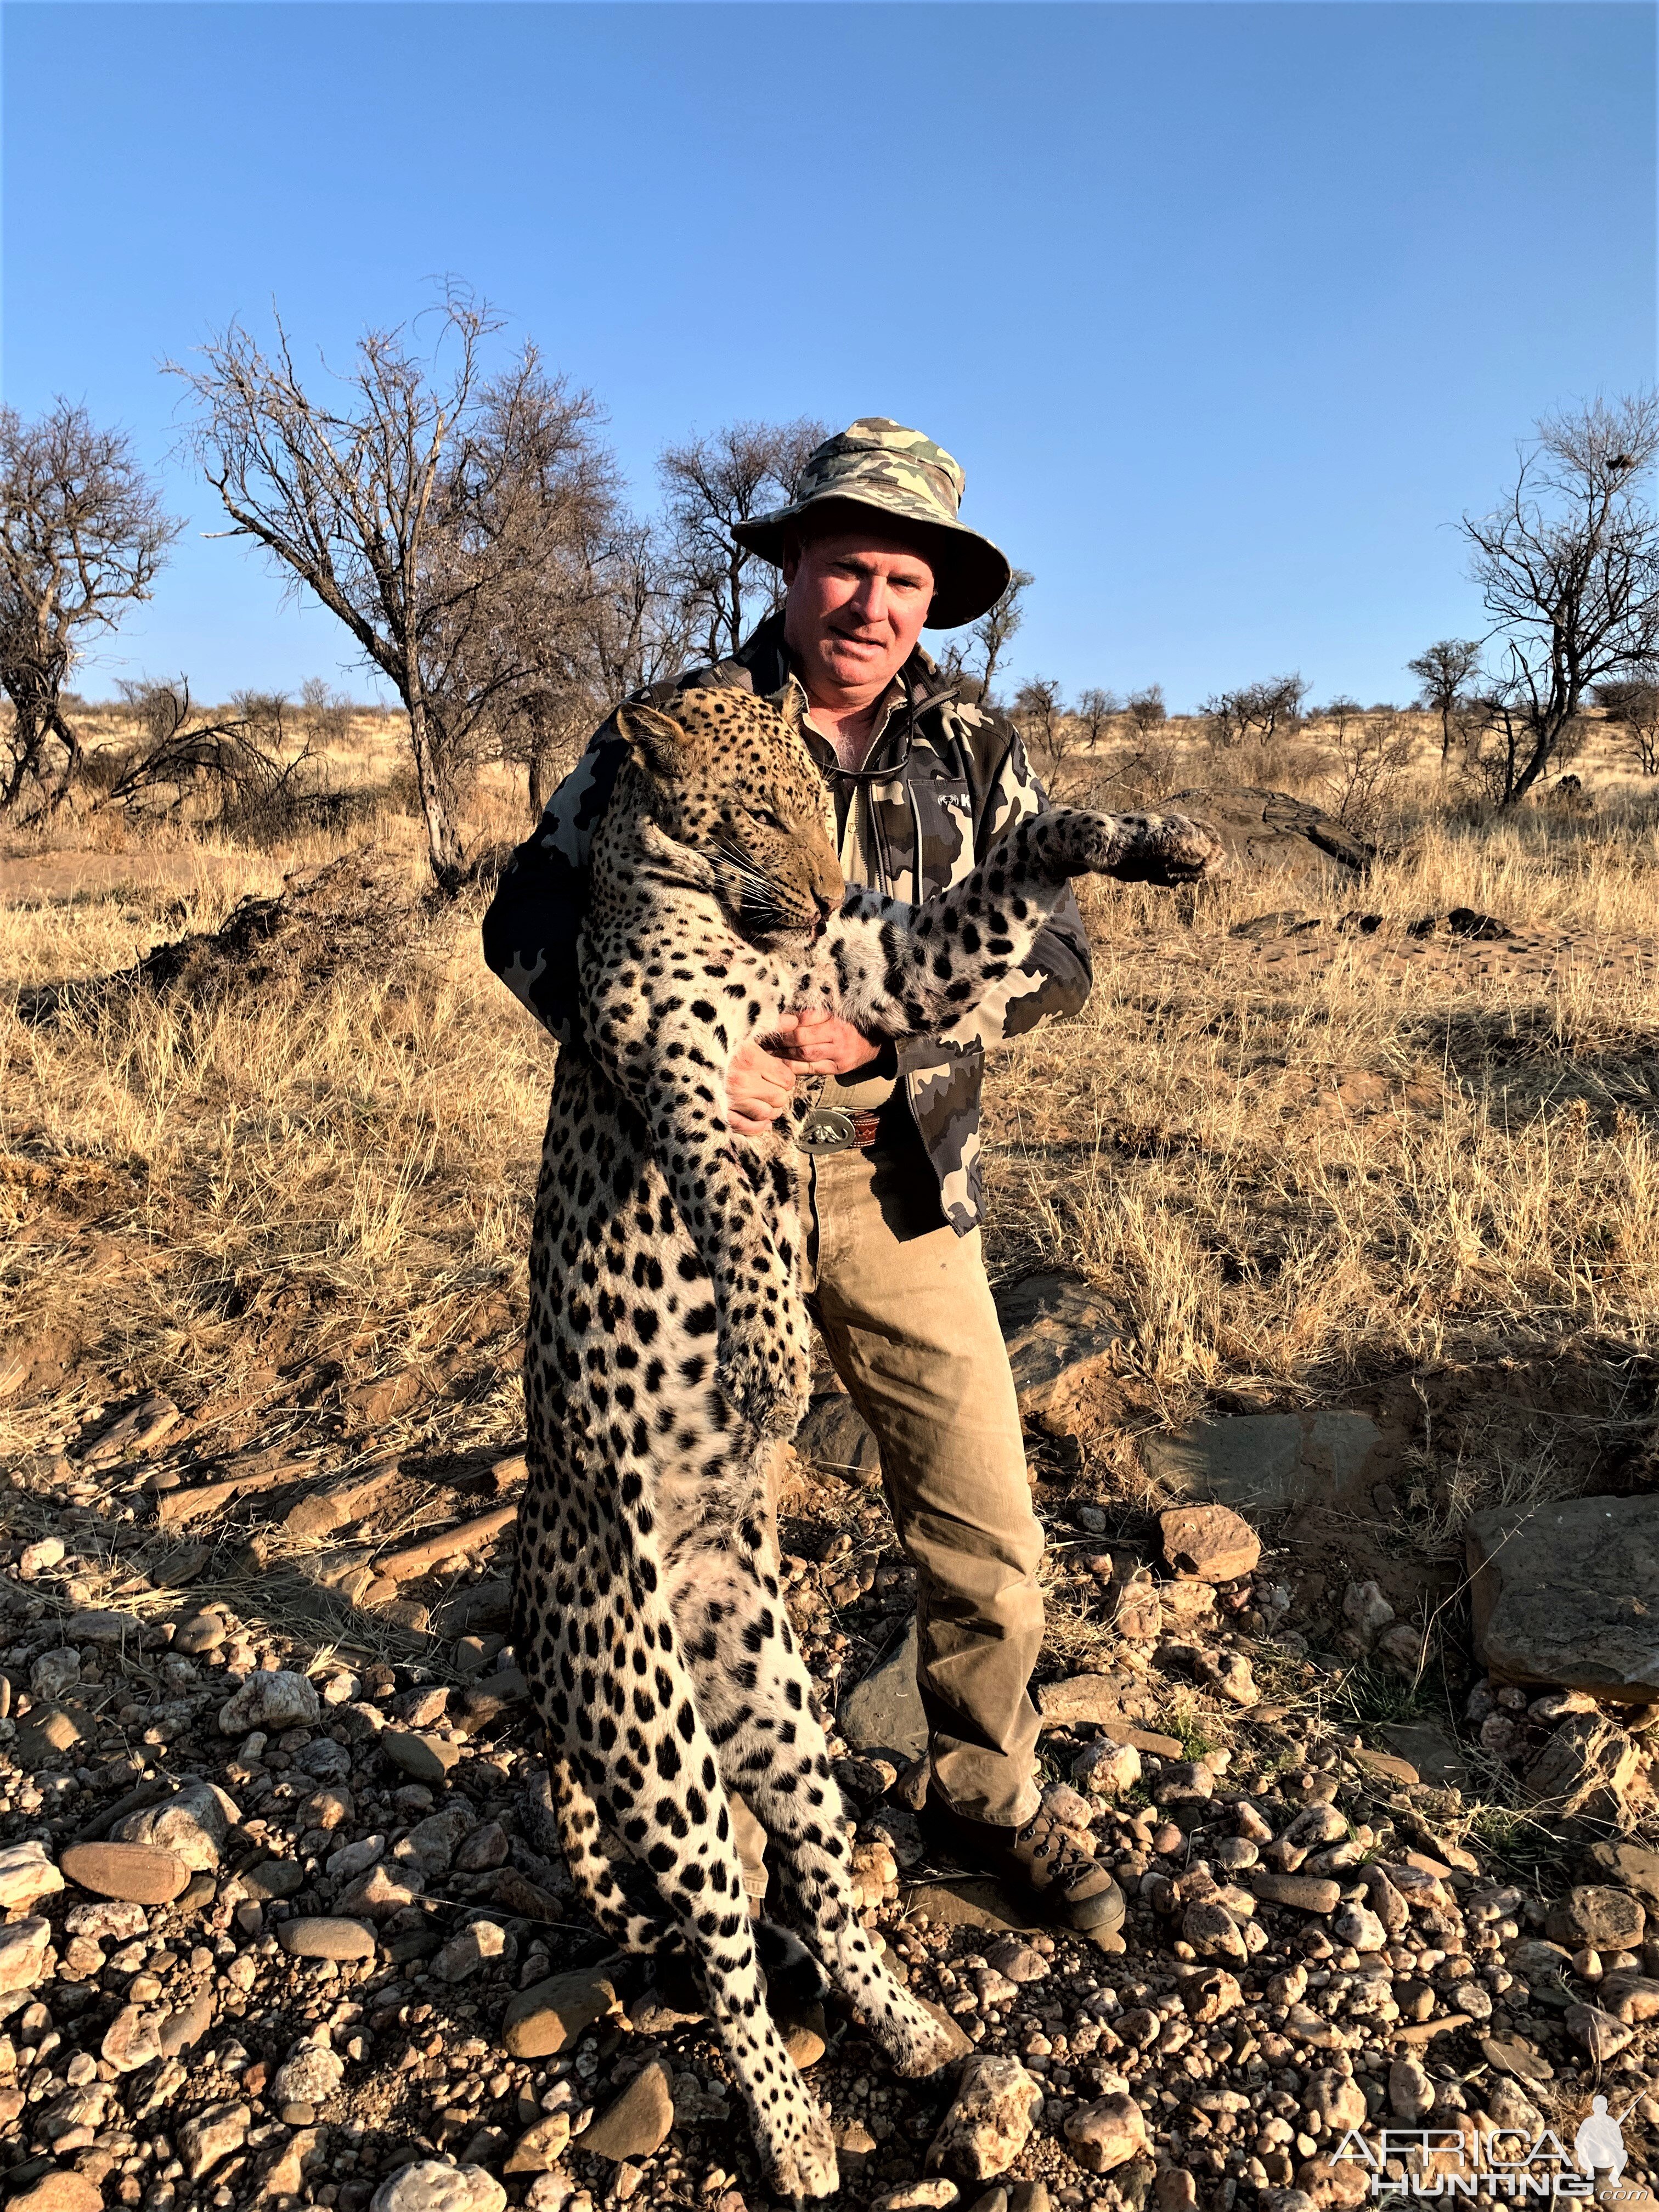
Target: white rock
[[433, 2184], [26, 1873], [1411, 2093], [1106, 1769], [40, 1558], [310, 2075], [272, 1702], [24, 1949], [55, 1672], [463, 1955], [353, 1859], [192, 1824], [989, 2120], [1358, 1927], [1365, 1610]]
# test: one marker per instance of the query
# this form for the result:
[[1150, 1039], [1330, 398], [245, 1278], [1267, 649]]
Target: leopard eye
[[767, 820]]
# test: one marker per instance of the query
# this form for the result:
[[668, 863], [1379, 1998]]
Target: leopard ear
[[790, 702], [656, 740]]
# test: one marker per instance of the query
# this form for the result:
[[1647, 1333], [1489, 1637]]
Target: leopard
[[668, 1359]]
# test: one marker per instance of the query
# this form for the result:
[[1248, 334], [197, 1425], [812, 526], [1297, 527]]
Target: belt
[[833, 1129]]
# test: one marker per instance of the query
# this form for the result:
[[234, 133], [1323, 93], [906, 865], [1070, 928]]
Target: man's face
[[857, 602]]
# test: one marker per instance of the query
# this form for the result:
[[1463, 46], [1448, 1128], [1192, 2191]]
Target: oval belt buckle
[[826, 1129]]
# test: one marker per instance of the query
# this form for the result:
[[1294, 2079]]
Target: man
[[871, 551]]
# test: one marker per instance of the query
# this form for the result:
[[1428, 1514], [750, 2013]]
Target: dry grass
[[266, 1203]]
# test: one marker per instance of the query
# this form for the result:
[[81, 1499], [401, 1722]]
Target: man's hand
[[760, 1079], [826, 1045]]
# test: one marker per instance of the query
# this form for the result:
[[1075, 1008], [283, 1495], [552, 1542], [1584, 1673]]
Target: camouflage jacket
[[963, 780]]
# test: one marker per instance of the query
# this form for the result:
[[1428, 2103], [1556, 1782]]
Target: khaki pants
[[906, 1310]]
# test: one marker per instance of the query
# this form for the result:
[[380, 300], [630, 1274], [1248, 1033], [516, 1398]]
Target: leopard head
[[729, 776]]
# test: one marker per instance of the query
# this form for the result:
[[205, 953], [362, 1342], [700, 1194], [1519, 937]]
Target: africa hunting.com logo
[[1448, 2162]]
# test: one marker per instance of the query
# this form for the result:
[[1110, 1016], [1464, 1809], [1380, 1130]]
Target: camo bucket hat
[[877, 463]]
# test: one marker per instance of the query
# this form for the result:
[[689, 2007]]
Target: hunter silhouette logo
[[1599, 2141], [1449, 2162]]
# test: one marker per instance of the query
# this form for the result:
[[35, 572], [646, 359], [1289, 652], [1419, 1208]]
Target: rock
[[1087, 1698], [132, 2039], [1595, 1919], [309, 2075], [1365, 1610], [1565, 1594], [1212, 1931], [25, 1947], [380, 1892], [424, 1757], [1411, 2093], [136, 1432], [638, 2122], [1336, 2099], [1430, 1749], [467, 1952], [271, 1701], [273, 1878], [1209, 1543], [1211, 1996], [1359, 1928], [1510, 2054], [136, 1873], [1628, 1866], [191, 1826], [59, 2193], [55, 1673], [1341, 2182], [1229, 1675], [431, 1844], [184, 2029], [486, 1847], [1586, 1769], [1631, 1998], [940, 2194], [197, 1632], [1306, 1892], [1107, 2134], [26, 1874], [1107, 1769], [835, 1438], [1403, 1646], [49, 1736], [1270, 1461], [1062, 1342], [211, 2135], [433, 2184], [979, 1903], [326, 1939], [1601, 2035], [99, 1624], [541, 2021], [540, 2147], [1386, 1766], [989, 2119], [884, 1711]]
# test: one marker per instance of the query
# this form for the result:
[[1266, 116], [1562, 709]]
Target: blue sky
[[1229, 310]]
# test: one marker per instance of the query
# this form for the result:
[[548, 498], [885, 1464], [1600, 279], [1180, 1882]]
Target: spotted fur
[[667, 1349]]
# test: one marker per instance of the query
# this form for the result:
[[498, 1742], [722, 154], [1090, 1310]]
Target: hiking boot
[[1042, 1860]]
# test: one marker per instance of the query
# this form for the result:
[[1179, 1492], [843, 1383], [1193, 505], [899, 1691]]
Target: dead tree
[[709, 485], [1444, 670], [438, 513], [1631, 704], [81, 537], [1050, 732], [994, 630], [1568, 570]]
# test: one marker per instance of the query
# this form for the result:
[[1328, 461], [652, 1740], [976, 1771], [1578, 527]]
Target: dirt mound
[[1270, 831], [357, 912]]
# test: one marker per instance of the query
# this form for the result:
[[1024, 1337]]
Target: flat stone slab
[[977, 1902], [884, 1711], [1568, 1594], [834, 1438], [1268, 1462], [1061, 1339]]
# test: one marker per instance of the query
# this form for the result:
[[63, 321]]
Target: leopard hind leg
[[756, 1694], [630, 1925]]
